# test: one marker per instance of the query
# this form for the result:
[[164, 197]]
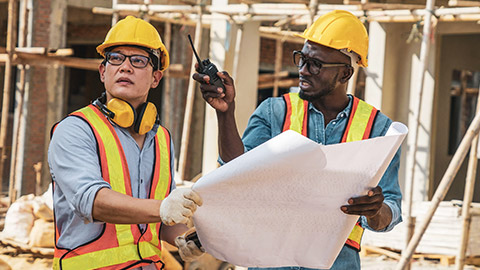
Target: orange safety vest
[[359, 127], [120, 246]]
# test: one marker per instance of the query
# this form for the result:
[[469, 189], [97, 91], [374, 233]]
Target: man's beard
[[326, 90]]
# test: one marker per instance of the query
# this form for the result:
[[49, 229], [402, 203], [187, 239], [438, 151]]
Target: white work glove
[[188, 250], [179, 207]]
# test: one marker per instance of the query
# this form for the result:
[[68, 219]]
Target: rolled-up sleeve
[[74, 166], [391, 192]]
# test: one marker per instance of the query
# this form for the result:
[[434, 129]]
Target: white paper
[[279, 204]]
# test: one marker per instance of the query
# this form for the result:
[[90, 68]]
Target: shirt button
[[333, 123], [141, 181]]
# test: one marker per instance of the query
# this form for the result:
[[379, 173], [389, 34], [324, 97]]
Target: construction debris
[[29, 223], [442, 237]]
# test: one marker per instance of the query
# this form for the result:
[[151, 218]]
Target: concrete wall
[[390, 86]]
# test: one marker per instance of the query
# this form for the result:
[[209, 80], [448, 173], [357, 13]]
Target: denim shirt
[[267, 122]]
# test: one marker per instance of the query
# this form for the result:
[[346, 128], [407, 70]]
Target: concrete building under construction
[[431, 86]]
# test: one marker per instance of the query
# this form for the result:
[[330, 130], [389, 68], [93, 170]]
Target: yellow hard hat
[[137, 32], [340, 29]]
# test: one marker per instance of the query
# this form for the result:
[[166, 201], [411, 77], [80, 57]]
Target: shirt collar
[[344, 113]]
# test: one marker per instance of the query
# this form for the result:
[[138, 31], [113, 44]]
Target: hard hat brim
[[362, 62], [164, 56]]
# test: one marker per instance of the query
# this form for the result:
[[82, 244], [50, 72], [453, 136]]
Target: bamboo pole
[[11, 40], [236, 56], [467, 199], [352, 83], [182, 159], [441, 191], [312, 8], [38, 178], [21, 89], [424, 51], [167, 86], [278, 65], [115, 12]]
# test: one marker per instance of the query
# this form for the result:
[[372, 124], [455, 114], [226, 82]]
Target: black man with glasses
[[112, 166], [323, 111]]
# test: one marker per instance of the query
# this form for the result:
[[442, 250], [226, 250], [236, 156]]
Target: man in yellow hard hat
[[334, 44], [112, 165]]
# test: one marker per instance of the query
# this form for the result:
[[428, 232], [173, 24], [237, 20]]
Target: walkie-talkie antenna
[[195, 52]]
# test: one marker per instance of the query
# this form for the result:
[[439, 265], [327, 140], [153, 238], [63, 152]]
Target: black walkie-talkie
[[208, 68]]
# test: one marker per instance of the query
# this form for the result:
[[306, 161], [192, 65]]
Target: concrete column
[[57, 97], [376, 65], [224, 51], [422, 165]]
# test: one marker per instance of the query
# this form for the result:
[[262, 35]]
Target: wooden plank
[[176, 70], [270, 76], [463, 3], [278, 65], [377, 250], [445, 260], [46, 51], [285, 83]]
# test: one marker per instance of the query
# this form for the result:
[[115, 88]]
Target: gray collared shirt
[[76, 171]]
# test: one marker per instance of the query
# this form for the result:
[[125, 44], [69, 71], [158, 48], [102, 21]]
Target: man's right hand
[[214, 96], [179, 206]]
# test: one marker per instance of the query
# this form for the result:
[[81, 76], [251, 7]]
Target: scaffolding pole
[[11, 40], [467, 198], [424, 51], [441, 191], [14, 160]]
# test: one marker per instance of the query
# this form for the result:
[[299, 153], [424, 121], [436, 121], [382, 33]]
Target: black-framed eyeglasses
[[138, 61], [314, 65]]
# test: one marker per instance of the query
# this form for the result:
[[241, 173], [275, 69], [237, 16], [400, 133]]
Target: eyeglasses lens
[[138, 61], [300, 60]]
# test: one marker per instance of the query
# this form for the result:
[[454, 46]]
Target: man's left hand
[[368, 205], [378, 214]]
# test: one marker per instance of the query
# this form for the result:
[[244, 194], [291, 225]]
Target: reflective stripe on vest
[[120, 245], [360, 122], [359, 127], [296, 117]]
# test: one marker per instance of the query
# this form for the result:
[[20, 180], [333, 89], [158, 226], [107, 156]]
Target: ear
[[101, 71], [347, 74], [157, 76]]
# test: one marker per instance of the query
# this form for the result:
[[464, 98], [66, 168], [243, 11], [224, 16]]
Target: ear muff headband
[[124, 115]]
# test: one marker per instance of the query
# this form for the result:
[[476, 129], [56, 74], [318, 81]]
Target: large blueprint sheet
[[279, 204]]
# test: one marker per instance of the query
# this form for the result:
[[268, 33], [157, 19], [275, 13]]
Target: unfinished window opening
[[463, 102]]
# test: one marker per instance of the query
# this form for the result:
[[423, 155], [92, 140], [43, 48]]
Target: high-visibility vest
[[120, 246], [359, 127]]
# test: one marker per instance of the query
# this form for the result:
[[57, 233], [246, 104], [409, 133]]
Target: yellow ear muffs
[[146, 117], [124, 113]]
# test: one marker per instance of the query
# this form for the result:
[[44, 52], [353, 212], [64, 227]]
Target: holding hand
[[378, 214], [188, 250], [367, 205], [219, 100], [179, 207]]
